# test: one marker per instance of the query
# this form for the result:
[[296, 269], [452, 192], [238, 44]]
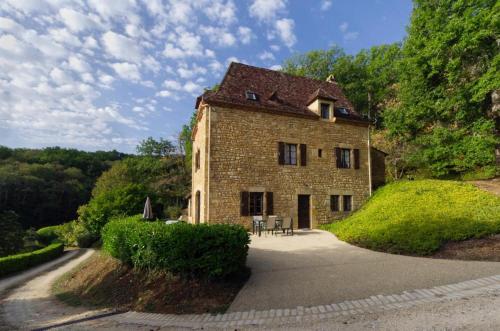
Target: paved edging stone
[[369, 305]]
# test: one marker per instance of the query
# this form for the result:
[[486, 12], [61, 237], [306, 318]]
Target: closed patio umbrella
[[148, 211]]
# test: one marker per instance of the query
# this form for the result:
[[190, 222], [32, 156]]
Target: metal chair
[[271, 224], [287, 225], [256, 221]]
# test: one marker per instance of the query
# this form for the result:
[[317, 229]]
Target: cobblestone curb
[[369, 305]]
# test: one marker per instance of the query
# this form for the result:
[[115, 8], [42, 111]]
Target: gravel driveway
[[315, 268]]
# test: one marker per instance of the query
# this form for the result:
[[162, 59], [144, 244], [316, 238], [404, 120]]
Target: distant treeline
[[46, 186]]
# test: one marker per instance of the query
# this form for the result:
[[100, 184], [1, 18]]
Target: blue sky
[[100, 75]]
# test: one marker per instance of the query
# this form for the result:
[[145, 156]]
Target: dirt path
[[491, 185]]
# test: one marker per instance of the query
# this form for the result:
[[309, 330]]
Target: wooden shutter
[[269, 203], [337, 156], [245, 199], [281, 153], [356, 158], [303, 155]]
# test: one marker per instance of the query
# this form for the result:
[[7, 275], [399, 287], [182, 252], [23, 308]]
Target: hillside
[[418, 217]]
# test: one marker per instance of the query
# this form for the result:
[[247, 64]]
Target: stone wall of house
[[244, 157], [200, 176]]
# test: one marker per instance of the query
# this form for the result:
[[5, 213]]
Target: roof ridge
[[280, 72]]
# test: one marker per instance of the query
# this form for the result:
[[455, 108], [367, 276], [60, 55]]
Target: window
[[197, 160], [343, 111], [251, 95], [320, 152], [345, 158], [334, 203], [291, 154], [347, 200], [325, 111], [255, 205]]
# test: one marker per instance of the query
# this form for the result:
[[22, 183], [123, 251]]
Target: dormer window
[[325, 110], [251, 96], [343, 111]]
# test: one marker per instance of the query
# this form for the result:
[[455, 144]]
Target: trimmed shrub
[[212, 251], [48, 234], [19, 262]]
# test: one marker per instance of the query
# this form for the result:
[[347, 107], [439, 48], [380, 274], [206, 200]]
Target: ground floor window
[[256, 203], [347, 201], [334, 203]]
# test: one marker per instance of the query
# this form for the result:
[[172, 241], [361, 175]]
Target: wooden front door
[[304, 212]]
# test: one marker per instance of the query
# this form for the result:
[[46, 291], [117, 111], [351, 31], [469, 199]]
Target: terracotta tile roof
[[277, 92]]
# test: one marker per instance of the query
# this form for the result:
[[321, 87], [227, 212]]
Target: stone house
[[269, 143]]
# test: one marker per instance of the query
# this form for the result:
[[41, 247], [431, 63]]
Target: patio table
[[259, 224]]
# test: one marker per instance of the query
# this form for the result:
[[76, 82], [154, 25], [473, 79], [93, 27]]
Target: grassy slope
[[103, 281], [417, 217]]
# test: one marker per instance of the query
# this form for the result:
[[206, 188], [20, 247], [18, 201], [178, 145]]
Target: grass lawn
[[103, 281], [418, 217]]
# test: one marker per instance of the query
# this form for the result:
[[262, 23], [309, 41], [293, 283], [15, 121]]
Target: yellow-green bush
[[417, 217], [19, 262]]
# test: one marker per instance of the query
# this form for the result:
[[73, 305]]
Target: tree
[[11, 240], [451, 63], [367, 79], [186, 143], [155, 148]]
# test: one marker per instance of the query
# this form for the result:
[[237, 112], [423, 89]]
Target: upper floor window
[[197, 160], [343, 111], [347, 202], [345, 158], [291, 154], [325, 110], [320, 152], [251, 95]]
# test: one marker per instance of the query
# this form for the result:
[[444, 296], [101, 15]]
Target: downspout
[[209, 112], [369, 163]]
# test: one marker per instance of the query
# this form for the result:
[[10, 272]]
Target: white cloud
[[284, 28], [266, 10], [219, 36], [78, 64], [63, 36], [351, 35], [164, 94], [127, 71], [344, 26], [325, 5], [245, 34], [275, 67], [265, 56], [121, 47], [348, 35], [192, 87], [172, 85], [275, 48], [221, 12], [75, 21]]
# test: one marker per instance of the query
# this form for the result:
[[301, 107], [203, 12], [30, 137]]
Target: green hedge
[[19, 262], [48, 234], [212, 251]]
